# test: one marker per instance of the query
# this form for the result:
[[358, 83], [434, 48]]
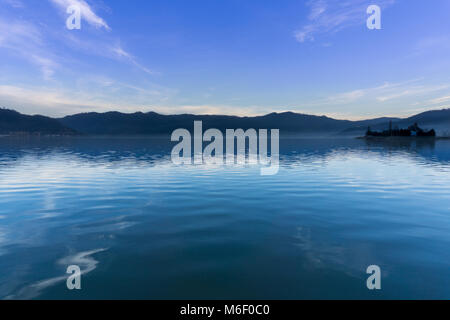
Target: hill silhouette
[[13, 122], [154, 123], [139, 123]]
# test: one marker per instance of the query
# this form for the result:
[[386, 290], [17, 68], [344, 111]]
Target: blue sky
[[243, 57]]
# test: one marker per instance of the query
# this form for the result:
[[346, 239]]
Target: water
[[142, 228]]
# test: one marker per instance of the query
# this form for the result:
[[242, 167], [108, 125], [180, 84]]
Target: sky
[[236, 57]]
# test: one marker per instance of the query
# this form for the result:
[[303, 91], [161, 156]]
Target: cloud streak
[[88, 94], [388, 99], [25, 40], [86, 12], [331, 16], [121, 53], [35, 42], [386, 92], [107, 95]]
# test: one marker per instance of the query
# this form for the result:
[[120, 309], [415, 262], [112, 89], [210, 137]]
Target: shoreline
[[403, 138]]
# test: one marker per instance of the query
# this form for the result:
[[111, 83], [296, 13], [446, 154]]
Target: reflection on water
[[82, 260], [335, 207]]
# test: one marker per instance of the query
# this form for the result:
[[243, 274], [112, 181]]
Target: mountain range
[[151, 123], [13, 122]]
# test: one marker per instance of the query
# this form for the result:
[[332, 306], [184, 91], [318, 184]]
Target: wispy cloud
[[431, 44], [388, 91], [121, 53], [35, 42], [330, 16], [46, 65], [439, 100], [27, 41], [87, 94], [388, 99], [17, 33], [412, 91], [87, 12], [101, 94], [104, 48], [44, 98]]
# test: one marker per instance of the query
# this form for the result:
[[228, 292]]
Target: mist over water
[[142, 227]]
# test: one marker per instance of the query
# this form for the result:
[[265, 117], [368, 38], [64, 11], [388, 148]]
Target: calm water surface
[[141, 227]]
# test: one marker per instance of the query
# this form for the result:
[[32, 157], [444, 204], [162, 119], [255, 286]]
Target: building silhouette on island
[[412, 131]]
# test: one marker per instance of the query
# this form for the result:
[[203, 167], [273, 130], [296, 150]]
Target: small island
[[412, 131]]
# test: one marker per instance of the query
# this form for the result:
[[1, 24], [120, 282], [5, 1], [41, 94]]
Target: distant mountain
[[153, 123], [288, 122], [13, 122], [116, 123]]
